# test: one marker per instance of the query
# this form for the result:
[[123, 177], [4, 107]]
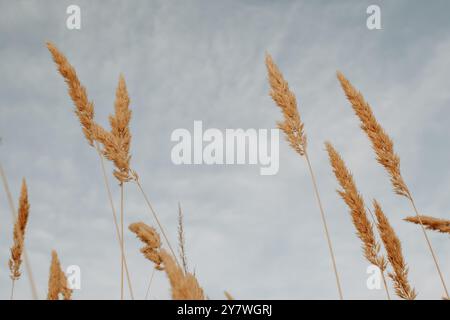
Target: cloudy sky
[[254, 236]]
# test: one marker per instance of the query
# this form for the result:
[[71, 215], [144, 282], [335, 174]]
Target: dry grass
[[116, 144], [440, 225], [384, 149], [382, 144], [57, 281], [155, 216], [120, 123], [184, 286], [355, 202], [19, 233], [120, 154], [292, 125], [395, 255], [84, 109], [34, 291], [152, 241], [293, 128], [112, 151]]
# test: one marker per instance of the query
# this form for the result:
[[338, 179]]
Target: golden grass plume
[[113, 152], [184, 286], [395, 255], [385, 155], [57, 282], [19, 233], [355, 202], [84, 108], [152, 248], [293, 128], [381, 143], [440, 225], [120, 123], [292, 125], [116, 144]]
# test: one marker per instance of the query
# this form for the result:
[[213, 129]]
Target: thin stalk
[[149, 284], [429, 245], [385, 284], [12, 289], [181, 240], [113, 209], [382, 271], [34, 292], [324, 222], [157, 221], [121, 238]]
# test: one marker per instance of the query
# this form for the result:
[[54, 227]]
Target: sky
[[258, 237]]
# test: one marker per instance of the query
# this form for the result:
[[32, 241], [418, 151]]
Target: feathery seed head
[[184, 286], [395, 255], [116, 144], [57, 282], [152, 241], [355, 202], [120, 123], [381, 143], [19, 233], [440, 225], [292, 125], [84, 109]]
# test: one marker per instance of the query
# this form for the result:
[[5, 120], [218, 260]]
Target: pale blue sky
[[255, 236]]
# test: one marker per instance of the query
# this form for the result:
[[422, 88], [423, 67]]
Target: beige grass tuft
[[120, 123], [113, 152], [395, 255], [117, 142], [19, 233], [355, 202], [440, 225], [292, 125], [385, 155], [57, 282], [152, 248], [184, 286], [84, 109], [293, 128], [34, 291], [382, 144]]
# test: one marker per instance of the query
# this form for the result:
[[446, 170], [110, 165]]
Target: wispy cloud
[[257, 237]]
